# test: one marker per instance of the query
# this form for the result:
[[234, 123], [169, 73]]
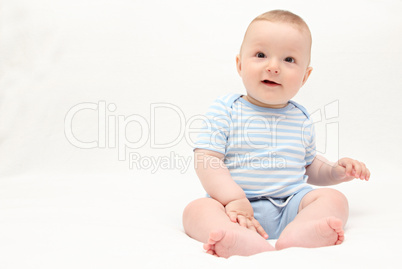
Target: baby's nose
[[273, 71], [273, 68]]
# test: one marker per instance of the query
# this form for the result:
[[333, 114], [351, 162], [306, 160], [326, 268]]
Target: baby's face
[[273, 63]]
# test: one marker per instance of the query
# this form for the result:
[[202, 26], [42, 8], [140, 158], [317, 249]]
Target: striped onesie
[[266, 150]]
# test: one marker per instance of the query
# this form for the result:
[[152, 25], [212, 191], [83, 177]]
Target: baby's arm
[[218, 183], [321, 172], [215, 177]]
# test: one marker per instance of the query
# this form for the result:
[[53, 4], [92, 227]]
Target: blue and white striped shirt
[[266, 150]]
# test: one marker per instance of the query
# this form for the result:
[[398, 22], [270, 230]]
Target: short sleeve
[[308, 135], [216, 127]]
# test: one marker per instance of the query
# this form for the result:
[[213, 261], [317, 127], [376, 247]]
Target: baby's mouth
[[270, 82]]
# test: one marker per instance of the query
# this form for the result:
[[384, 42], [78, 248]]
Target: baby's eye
[[289, 60], [260, 55]]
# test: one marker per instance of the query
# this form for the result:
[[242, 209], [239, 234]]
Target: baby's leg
[[205, 220], [320, 221]]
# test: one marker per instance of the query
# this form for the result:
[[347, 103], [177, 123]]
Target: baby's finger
[[232, 216], [364, 171], [242, 220], [358, 169], [250, 225], [348, 169], [368, 174], [259, 229]]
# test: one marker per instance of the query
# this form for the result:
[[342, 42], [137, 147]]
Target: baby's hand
[[241, 212], [348, 169]]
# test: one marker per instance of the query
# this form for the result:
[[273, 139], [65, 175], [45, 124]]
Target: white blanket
[[124, 222]]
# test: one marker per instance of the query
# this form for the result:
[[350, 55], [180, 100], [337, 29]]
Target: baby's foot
[[330, 231], [320, 233], [223, 243]]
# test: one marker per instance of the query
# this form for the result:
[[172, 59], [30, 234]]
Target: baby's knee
[[199, 205], [191, 207], [337, 198], [327, 196]]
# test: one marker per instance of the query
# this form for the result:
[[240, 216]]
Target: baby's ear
[[238, 64], [307, 74]]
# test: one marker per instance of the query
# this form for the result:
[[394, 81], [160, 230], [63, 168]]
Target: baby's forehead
[[303, 29], [261, 30]]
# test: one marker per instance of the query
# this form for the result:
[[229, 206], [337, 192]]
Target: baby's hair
[[283, 16]]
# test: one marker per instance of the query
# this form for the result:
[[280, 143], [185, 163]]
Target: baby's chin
[[265, 103]]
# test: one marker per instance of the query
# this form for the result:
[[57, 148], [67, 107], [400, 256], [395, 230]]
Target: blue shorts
[[275, 214]]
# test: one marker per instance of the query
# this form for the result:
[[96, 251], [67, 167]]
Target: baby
[[258, 155]]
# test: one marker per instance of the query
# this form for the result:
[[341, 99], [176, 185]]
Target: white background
[[55, 55]]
